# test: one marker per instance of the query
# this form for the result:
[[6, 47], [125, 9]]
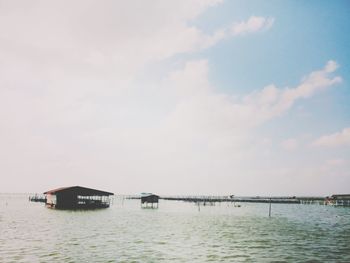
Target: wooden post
[[270, 208]]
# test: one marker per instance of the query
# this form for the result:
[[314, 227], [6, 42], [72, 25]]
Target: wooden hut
[[149, 200], [77, 197]]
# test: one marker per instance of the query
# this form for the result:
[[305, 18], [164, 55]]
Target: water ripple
[[176, 232]]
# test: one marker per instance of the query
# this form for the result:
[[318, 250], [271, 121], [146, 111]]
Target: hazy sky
[[175, 97]]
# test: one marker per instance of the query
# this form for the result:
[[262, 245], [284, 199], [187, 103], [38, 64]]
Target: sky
[[175, 97]]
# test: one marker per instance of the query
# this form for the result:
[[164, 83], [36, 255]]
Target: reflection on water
[[175, 232]]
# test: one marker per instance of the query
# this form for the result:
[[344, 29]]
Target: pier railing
[[214, 199], [261, 199], [37, 198]]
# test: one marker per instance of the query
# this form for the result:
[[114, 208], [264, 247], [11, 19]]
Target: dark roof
[[148, 195], [79, 190]]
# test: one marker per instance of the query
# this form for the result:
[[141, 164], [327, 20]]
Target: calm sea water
[[176, 232]]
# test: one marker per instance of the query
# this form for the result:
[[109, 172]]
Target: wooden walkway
[[260, 199], [215, 199], [37, 198], [211, 200]]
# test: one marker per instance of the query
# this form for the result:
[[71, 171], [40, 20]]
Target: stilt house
[[77, 197], [149, 200]]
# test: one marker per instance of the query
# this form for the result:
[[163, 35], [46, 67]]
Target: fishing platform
[[74, 197], [334, 200]]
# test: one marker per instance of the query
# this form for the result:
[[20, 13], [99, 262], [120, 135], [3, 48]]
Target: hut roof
[[148, 195], [79, 190]]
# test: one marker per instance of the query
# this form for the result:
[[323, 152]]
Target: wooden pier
[[218, 199], [37, 198], [335, 200]]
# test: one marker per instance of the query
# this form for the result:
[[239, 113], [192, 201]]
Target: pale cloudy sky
[[175, 97]]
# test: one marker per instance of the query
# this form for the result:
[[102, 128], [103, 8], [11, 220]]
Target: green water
[[176, 232]]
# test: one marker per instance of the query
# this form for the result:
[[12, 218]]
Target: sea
[[175, 232]]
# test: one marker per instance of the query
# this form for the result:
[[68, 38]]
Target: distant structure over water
[[338, 200], [335, 200], [148, 200], [77, 197]]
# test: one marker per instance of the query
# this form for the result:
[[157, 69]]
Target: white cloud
[[80, 37], [290, 144], [73, 109], [253, 24], [336, 162], [116, 38], [191, 80], [271, 101], [185, 124], [212, 110], [341, 138]]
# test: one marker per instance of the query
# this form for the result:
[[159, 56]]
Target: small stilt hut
[[149, 200], [77, 197]]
